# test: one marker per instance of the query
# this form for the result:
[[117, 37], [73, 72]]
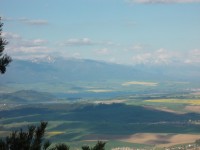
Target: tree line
[[33, 139], [4, 58]]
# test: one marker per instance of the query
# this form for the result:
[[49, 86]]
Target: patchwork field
[[177, 101], [109, 101], [156, 140], [193, 109], [128, 113], [139, 83], [162, 140], [99, 90]]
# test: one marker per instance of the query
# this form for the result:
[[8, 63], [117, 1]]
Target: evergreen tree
[[26, 140], [99, 146], [60, 147], [33, 139], [4, 58], [85, 148]]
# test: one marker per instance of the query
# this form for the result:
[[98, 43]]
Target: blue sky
[[119, 31]]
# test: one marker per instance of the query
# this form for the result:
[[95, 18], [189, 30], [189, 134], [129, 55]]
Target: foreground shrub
[[33, 139]]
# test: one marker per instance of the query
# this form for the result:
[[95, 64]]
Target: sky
[[117, 31]]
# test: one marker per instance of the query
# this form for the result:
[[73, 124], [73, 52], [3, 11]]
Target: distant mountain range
[[65, 70]]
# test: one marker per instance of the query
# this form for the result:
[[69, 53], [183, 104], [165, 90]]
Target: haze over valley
[[121, 71]]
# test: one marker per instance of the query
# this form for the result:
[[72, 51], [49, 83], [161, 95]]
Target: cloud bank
[[21, 48], [78, 42]]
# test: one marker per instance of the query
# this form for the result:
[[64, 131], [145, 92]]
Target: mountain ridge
[[65, 70]]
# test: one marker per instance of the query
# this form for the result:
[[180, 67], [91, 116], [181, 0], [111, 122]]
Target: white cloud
[[85, 42], [78, 42], [192, 57], [39, 41], [20, 47], [103, 51], [163, 1], [136, 47], [76, 55], [27, 21], [33, 22], [36, 22], [163, 56], [32, 57], [30, 43], [112, 60], [10, 36], [142, 58], [160, 56], [35, 49], [6, 18]]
